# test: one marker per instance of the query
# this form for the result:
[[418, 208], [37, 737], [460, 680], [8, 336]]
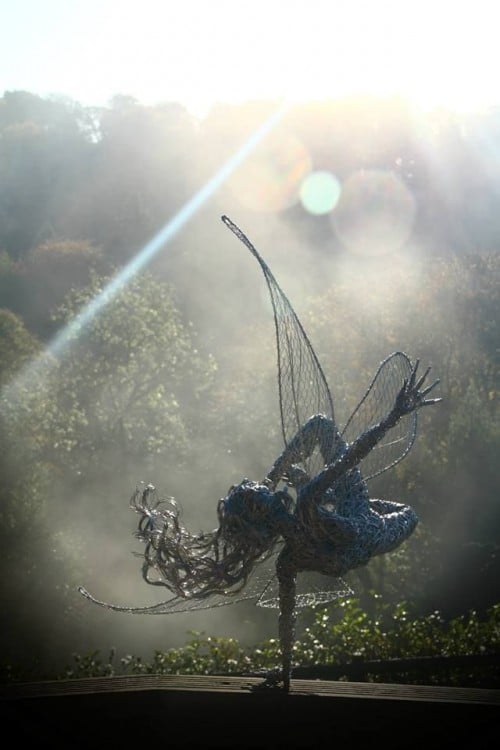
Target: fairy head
[[253, 514]]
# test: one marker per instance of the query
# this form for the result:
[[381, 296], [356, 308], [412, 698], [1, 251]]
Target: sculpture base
[[226, 712]]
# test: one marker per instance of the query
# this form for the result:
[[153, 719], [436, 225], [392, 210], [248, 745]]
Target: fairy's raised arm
[[392, 387]]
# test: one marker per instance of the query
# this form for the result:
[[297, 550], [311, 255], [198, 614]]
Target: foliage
[[34, 285], [393, 632], [29, 546], [44, 154], [120, 397], [129, 378], [17, 345], [22, 472]]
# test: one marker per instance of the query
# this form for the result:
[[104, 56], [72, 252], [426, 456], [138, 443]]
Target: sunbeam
[[145, 255]]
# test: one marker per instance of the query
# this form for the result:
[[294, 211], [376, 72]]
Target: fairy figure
[[312, 513]]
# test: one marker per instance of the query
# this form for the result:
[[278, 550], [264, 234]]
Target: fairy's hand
[[295, 476], [410, 397]]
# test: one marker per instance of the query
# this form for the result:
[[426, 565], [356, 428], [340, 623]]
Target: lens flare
[[375, 213], [320, 192], [270, 180]]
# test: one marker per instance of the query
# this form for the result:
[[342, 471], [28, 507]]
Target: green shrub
[[334, 638]]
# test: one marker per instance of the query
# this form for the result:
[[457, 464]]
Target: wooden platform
[[227, 712]]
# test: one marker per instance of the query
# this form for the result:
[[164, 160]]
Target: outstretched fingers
[[411, 396], [415, 385], [429, 401], [429, 388], [411, 382], [422, 379]]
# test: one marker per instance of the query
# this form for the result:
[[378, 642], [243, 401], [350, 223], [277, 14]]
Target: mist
[[174, 382]]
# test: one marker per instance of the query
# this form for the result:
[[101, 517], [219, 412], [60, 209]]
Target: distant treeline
[[111, 176]]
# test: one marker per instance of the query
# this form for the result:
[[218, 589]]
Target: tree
[[143, 168], [76, 437], [27, 543], [34, 286], [126, 383], [44, 155]]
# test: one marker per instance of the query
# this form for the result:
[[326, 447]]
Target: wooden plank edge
[[230, 684]]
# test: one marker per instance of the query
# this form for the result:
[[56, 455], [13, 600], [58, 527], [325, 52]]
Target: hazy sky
[[198, 51]]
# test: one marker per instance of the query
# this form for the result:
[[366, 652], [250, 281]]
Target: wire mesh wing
[[303, 389], [176, 603], [375, 404], [313, 589], [259, 582]]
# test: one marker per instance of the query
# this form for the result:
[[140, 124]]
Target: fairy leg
[[287, 576], [397, 523]]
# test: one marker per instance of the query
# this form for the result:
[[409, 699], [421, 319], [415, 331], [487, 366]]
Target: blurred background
[[358, 146]]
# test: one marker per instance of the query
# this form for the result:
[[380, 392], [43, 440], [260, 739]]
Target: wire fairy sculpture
[[312, 513]]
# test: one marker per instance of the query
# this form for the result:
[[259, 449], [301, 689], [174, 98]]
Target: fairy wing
[[176, 603], [259, 582], [312, 590], [304, 391], [302, 385], [377, 401]]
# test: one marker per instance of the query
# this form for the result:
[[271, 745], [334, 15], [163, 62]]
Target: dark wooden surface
[[175, 711]]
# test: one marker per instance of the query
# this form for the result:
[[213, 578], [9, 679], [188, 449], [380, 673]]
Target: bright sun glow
[[435, 53]]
